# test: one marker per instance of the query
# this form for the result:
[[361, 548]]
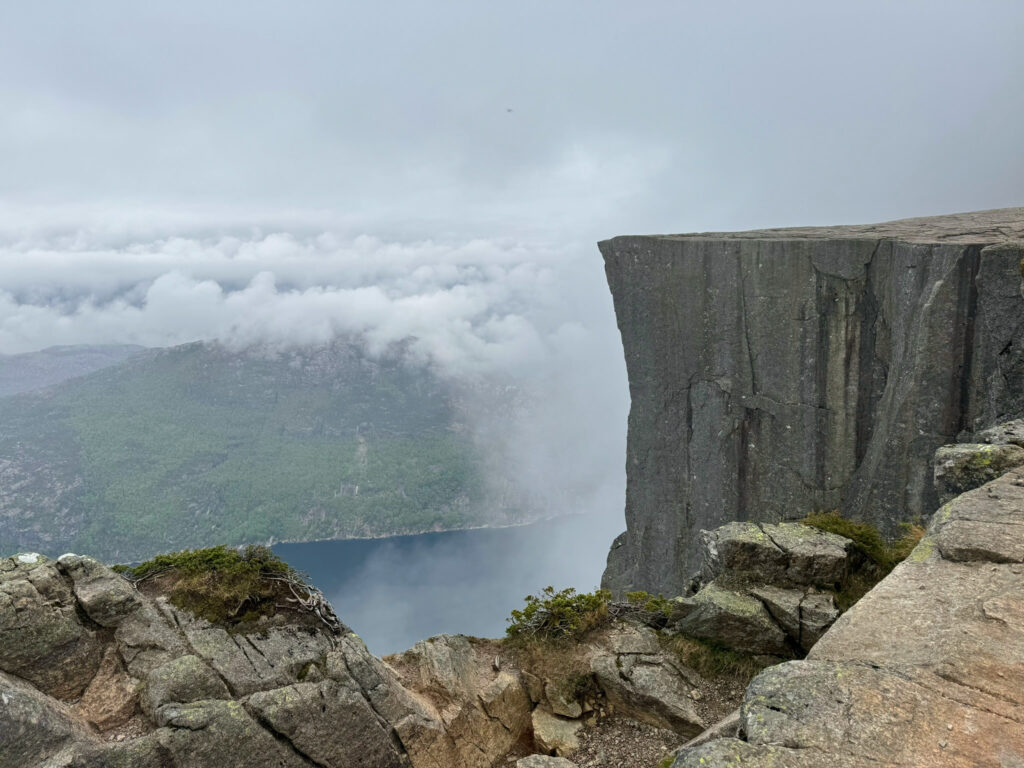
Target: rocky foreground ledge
[[926, 670]]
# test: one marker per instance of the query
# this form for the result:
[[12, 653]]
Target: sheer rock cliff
[[777, 372]]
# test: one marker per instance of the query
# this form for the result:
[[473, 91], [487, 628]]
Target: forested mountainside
[[179, 447]]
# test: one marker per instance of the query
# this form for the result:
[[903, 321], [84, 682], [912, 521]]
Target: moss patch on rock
[[235, 588], [879, 555]]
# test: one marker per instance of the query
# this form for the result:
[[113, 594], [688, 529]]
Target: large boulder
[[643, 682], [733, 619], [785, 554], [481, 709], [106, 597], [42, 639]]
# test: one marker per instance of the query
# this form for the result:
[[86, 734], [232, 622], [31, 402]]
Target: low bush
[[559, 615], [227, 586], [880, 555]]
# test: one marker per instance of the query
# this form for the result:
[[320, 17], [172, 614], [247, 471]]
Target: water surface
[[394, 592]]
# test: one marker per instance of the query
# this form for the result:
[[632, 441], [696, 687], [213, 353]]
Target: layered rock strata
[[778, 372]]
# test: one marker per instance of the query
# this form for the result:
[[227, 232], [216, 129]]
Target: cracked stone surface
[[778, 372], [926, 669]]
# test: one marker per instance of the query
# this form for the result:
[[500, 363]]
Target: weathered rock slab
[[926, 669], [182, 681], [42, 639], [733, 619], [329, 724], [104, 596]]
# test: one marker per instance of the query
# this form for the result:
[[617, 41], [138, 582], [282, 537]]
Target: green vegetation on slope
[[880, 554], [196, 443]]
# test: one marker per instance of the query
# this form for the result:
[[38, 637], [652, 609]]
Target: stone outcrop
[[964, 466], [765, 588], [778, 372], [926, 669], [96, 674]]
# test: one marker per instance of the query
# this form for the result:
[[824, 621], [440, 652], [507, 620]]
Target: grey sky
[[647, 116]]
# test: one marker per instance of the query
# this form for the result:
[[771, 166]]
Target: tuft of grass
[[868, 539], [880, 555], [714, 661], [566, 614], [225, 586]]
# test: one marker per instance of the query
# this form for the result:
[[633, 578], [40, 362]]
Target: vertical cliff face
[[777, 372]]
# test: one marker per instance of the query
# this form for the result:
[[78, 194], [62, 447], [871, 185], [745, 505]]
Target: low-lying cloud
[[496, 313]]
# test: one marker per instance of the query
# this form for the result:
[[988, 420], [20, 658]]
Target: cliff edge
[[777, 372]]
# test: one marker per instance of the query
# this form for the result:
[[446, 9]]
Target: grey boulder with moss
[[106, 597], [640, 678], [42, 639], [733, 619], [765, 588], [965, 466], [784, 553]]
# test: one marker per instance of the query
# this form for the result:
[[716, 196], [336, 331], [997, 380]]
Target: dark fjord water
[[394, 592]]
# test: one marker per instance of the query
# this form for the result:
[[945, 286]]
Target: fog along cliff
[[778, 372]]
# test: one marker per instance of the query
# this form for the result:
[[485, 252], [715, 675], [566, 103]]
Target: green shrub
[[223, 585], [564, 614], [868, 539], [881, 555]]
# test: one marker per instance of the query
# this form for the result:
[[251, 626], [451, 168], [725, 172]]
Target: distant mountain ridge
[[177, 447], [29, 371]]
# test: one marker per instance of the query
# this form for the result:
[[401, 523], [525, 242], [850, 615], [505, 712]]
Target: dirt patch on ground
[[616, 742]]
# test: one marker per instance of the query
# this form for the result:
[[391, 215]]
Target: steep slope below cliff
[[778, 372]]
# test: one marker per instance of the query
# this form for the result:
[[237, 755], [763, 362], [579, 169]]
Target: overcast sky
[[286, 171]]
